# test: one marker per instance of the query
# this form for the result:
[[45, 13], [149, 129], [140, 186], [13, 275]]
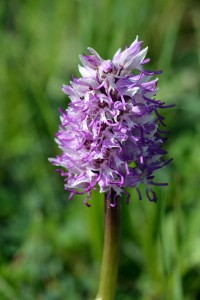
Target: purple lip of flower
[[110, 135]]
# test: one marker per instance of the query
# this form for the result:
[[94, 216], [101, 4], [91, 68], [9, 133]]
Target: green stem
[[109, 268]]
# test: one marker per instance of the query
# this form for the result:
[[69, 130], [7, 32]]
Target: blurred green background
[[50, 248]]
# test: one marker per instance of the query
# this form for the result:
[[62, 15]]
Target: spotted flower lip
[[110, 134]]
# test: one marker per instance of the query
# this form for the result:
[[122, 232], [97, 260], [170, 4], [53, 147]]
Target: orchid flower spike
[[110, 135]]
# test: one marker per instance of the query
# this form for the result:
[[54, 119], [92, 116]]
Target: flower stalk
[[112, 233]]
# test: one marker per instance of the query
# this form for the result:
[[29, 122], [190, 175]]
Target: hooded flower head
[[110, 134]]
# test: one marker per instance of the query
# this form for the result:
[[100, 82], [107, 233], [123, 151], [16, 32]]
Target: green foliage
[[50, 249]]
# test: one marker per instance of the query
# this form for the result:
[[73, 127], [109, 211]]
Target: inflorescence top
[[110, 134]]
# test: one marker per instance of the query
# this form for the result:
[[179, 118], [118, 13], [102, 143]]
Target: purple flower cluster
[[110, 133]]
